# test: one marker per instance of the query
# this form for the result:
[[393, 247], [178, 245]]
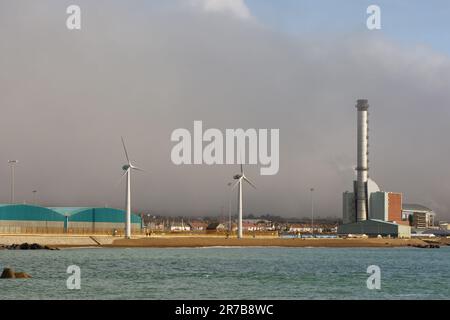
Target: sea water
[[229, 273]]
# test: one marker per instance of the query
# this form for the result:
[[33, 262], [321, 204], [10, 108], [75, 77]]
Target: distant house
[[216, 226], [304, 228], [249, 226], [258, 225], [198, 225], [155, 226], [179, 226], [443, 225], [233, 226], [265, 225], [299, 228]]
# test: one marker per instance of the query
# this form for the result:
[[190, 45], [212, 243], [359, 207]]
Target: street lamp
[[12, 163], [312, 211], [230, 228]]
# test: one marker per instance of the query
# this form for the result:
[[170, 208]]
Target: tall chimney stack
[[363, 153]]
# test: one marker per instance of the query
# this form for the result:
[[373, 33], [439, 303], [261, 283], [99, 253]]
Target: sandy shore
[[56, 240], [169, 241], [178, 242]]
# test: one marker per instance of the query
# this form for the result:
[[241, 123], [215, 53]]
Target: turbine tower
[[240, 178], [127, 168]]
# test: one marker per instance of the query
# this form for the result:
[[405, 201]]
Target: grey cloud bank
[[143, 70]]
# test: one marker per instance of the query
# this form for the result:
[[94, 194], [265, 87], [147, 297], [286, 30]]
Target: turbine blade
[[125, 149], [245, 178], [137, 168], [121, 178], [240, 161], [237, 182]]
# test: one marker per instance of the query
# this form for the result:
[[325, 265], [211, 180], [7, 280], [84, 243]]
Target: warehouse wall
[[395, 208], [100, 227], [379, 206], [18, 226]]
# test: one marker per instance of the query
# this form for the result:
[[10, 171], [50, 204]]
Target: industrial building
[[369, 210], [21, 218], [374, 227], [420, 216], [15, 218]]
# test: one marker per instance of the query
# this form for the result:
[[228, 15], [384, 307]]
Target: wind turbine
[[127, 168], [240, 178]]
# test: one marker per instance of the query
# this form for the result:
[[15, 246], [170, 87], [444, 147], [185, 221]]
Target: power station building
[[20, 218], [369, 210]]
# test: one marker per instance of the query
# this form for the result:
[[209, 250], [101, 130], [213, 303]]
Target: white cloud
[[237, 8]]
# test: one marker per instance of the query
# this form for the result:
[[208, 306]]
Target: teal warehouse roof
[[68, 211], [28, 212], [83, 214], [77, 214]]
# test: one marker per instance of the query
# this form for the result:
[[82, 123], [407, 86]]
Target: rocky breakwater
[[27, 246], [426, 246]]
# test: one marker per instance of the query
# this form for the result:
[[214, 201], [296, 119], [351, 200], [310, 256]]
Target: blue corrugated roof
[[82, 214], [68, 211], [28, 212]]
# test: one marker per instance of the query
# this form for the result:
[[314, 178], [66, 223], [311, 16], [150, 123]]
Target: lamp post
[[230, 228], [12, 163], [312, 211]]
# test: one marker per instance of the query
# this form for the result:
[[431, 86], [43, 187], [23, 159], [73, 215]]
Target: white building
[[177, 227], [422, 217]]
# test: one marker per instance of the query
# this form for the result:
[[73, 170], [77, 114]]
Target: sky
[[141, 69], [405, 21]]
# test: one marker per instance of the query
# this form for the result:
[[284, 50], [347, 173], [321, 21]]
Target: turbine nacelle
[[127, 167]]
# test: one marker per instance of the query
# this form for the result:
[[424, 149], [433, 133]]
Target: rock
[[22, 275], [36, 246], [24, 246], [27, 246], [425, 246], [8, 273]]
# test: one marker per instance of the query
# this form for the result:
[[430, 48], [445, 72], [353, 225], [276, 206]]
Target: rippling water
[[229, 273]]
